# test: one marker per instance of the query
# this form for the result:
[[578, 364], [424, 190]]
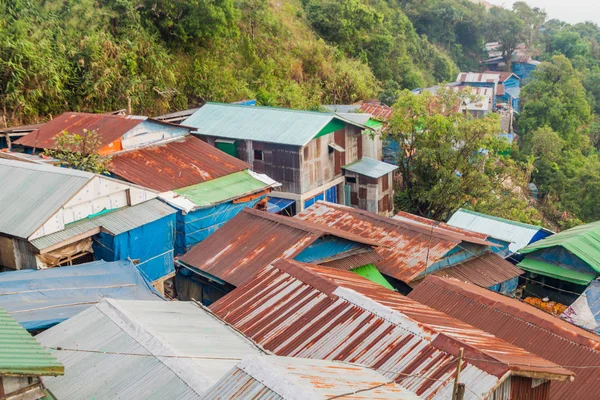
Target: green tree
[[533, 19], [505, 27], [555, 97], [447, 159], [80, 152]]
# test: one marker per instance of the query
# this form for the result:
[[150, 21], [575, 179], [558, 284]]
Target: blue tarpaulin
[[275, 205], [40, 299], [194, 227], [151, 244]]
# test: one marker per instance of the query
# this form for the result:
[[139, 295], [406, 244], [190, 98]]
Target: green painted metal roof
[[374, 124], [222, 189], [583, 241], [263, 124], [22, 354], [554, 271], [370, 272]]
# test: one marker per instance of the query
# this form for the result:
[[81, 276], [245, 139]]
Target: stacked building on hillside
[[304, 150]]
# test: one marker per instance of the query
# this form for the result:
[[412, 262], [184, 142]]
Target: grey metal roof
[[263, 124], [273, 377], [517, 234], [115, 222], [358, 118], [342, 108], [32, 193], [370, 167], [141, 332]]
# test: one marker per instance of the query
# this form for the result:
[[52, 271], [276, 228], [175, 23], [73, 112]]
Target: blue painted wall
[[152, 244], [194, 227]]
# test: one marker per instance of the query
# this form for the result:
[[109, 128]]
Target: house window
[[385, 182], [350, 179], [258, 155]]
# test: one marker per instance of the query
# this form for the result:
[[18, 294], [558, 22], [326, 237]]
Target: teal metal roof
[[583, 241], [21, 354], [116, 222], [262, 124], [370, 167], [31, 193]]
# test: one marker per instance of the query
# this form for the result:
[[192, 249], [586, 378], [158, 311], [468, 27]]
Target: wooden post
[[455, 391], [460, 394]]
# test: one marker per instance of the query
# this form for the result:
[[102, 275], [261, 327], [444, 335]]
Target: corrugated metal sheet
[[109, 128], [378, 111], [114, 222], [502, 75], [485, 271], [151, 329], [478, 77], [298, 310], [177, 116], [358, 118], [441, 227], [253, 239], [372, 168], [408, 247], [583, 241], [219, 190], [21, 354], [354, 261], [517, 234], [261, 124], [272, 377], [522, 325], [174, 165], [32, 193], [39, 299]]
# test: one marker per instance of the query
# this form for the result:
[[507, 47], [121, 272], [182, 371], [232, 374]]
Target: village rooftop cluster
[[236, 251]]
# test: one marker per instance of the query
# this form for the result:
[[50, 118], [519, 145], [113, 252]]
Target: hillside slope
[[159, 55]]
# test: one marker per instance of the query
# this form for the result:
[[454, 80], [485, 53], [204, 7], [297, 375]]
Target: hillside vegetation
[[161, 55]]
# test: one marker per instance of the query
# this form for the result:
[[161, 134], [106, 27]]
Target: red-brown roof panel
[[302, 310], [408, 247], [109, 128], [174, 165], [254, 239], [522, 325]]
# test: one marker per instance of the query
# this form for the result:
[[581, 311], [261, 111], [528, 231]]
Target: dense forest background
[[162, 55]]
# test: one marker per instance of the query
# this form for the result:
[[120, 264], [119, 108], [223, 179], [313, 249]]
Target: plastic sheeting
[[585, 311], [151, 244], [40, 299], [194, 227]]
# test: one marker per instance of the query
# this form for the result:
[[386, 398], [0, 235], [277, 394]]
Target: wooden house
[[304, 150]]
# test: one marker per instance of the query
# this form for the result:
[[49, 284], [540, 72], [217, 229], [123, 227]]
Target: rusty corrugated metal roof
[[353, 261], [410, 246], [378, 111], [485, 271], [109, 128], [174, 165], [522, 325], [253, 239], [299, 310], [441, 227]]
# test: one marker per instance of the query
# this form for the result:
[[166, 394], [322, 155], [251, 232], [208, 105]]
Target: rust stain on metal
[[485, 271], [379, 111], [522, 325], [255, 239], [408, 247], [109, 128], [174, 165], [309, 311]]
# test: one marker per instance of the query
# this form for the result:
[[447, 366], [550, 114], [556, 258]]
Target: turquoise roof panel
[[262, 124]]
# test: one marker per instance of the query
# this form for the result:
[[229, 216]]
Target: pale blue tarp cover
[[40, 299], [194, 227], [586, 309], [151, 244]]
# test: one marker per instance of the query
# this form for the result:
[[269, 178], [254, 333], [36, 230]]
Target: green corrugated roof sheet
[[583, 241], [22, 354], [374, 124], [554, 271], [222, 189], [370, 272], [263, 124]]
